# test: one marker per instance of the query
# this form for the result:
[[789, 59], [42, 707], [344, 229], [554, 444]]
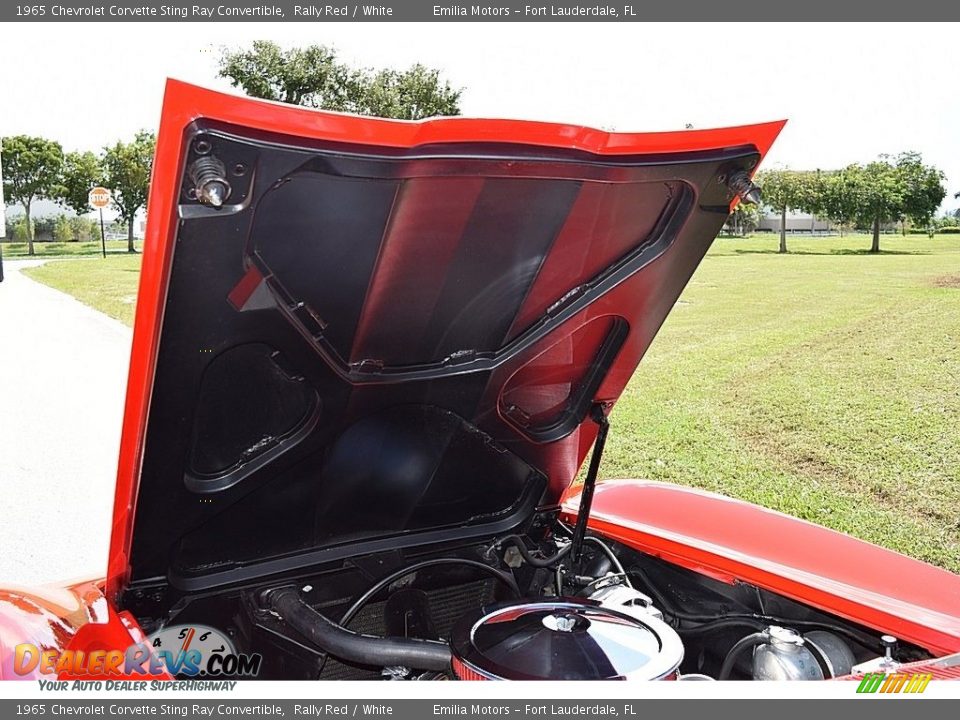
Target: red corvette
[[370, 358]]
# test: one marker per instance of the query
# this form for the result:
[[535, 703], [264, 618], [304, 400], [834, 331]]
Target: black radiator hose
[[746, 643], [354, 647]]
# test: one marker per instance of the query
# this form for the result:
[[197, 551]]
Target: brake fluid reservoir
[[785, 657]]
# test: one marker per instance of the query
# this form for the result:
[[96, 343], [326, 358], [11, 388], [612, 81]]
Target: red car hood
[[354, 334]]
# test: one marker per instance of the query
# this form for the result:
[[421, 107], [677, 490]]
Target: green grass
[[62, 250], [824, 383], [107, 284]]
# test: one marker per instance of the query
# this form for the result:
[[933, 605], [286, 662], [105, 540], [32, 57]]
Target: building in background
[[797, 222]]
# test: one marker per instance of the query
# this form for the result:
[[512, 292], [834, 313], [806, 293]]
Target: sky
[[849, 91]]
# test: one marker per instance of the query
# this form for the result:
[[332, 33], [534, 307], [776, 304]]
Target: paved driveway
[[63, 372]]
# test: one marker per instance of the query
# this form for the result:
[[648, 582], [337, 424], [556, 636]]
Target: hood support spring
[[586, 495]]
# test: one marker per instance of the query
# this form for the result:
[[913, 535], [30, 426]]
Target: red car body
[[719, 537]]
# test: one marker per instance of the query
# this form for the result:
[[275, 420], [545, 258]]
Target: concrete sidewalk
[[63, 374]]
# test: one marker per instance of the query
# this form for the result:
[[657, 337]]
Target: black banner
[[497, 11]]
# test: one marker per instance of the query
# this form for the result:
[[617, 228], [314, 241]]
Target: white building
[[797, 222]]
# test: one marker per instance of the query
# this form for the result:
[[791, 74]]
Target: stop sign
[[99, 197]]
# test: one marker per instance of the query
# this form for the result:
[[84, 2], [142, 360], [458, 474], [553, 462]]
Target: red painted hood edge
[[75, 617], [734, 540], [184, 103]]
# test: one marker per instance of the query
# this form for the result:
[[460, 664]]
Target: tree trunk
[[26, 215], [130, 247], [783, 229], [875, 246]]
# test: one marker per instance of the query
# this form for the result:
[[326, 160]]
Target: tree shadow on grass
[[832, 251], [866, 251]]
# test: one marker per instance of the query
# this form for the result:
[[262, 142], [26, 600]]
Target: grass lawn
[[824, 383], [108, 284]]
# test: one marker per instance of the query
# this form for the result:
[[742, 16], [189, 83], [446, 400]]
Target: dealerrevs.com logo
[[894, 682], [179, 650]]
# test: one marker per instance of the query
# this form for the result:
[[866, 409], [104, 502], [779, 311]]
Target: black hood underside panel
[[366, 348]]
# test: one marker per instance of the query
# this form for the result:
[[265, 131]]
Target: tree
[[409, 95], [745, 218], [315, 77], [81, 172], [31, 171], [126, 171], [923, 189], [785, 190], [892, 190], [878, 191], [309, 76], [836, 197]]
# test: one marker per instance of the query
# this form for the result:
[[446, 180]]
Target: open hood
[[356, 334]]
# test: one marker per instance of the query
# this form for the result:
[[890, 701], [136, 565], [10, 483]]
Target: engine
[[534, 606], [514, 609]]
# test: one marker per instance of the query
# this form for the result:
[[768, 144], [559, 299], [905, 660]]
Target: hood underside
[[389, 333]]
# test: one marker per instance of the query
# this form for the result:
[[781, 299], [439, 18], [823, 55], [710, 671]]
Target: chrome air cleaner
[[565, 639]]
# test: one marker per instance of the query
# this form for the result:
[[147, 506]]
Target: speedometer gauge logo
[[192, 637], [201, 651]]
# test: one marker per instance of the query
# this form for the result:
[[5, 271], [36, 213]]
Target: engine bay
[[521, 607], [547, 601], [406, 353]]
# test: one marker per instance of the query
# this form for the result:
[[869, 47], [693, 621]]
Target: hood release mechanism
[[208, 177], [745, 188]]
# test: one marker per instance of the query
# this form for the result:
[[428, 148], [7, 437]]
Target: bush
[[84, 229], [43, 228], [62, 229], [18, 229], [950, 230]]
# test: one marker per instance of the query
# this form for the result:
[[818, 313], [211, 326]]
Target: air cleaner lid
[[567, 639]]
